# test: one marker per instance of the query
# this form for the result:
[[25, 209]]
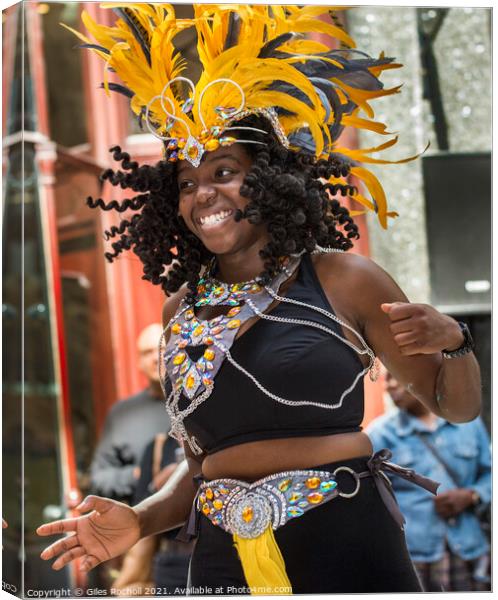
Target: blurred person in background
[[444, 537], [158, 564], [130, 425]]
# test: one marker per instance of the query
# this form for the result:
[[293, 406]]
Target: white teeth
[[216, 218]]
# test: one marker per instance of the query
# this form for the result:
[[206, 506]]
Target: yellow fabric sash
[[263, 564]]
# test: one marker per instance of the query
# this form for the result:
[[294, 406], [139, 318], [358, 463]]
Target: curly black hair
[[285, 190]]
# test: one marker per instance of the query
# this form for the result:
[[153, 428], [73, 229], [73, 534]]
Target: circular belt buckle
[[249, 515], [354, 475]]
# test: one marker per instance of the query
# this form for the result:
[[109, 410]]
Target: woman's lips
[[214, 220]]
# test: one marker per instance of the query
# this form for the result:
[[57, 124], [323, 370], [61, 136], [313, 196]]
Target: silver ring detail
[[163, 97], [354, 475], [147, 122], [221, 80]]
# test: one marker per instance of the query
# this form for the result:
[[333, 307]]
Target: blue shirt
[[465, 448]]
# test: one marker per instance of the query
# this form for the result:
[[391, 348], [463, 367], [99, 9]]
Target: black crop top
[[295, 362]]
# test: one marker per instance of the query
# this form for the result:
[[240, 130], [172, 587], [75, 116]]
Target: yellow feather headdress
[[255, 60]]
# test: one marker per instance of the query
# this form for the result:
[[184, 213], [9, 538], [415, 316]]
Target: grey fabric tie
[[378, 464]]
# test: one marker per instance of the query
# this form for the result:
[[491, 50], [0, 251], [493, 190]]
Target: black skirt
[[347, 545]]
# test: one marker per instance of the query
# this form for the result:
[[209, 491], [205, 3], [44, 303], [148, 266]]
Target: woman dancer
[[270, 325]]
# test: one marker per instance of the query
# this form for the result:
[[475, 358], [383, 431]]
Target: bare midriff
[[252, 460]]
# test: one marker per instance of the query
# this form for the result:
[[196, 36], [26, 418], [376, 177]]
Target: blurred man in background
[[443, 534], [129, 427]]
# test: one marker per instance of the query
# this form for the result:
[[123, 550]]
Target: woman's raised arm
[[407, 338]]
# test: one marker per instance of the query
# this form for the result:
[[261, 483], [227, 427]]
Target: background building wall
[[463, 56]]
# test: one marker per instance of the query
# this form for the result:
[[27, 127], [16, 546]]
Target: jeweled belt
[[248, 508], [250, 512]]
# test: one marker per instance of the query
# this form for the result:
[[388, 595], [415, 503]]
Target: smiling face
[[209, 197]]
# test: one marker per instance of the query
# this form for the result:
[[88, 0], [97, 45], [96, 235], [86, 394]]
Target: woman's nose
[[206, 194]]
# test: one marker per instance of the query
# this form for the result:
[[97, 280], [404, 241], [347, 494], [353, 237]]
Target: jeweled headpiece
[[255, 60]]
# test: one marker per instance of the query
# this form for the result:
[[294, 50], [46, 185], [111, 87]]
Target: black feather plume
[[233, 31], [267, 51], [120, 89], [94, 47], [137, 29]]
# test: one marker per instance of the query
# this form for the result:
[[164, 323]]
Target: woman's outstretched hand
[[109, 530]]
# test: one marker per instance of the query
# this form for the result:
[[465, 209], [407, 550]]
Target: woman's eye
[[224, 172], [185, 185]]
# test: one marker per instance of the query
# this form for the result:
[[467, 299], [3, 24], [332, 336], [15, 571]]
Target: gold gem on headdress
[[210, 139]]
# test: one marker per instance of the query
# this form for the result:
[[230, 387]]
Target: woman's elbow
[[460, 412]]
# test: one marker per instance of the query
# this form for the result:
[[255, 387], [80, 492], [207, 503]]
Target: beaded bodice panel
[[280, 375], [192, 375]]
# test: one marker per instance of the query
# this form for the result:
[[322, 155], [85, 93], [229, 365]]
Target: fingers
[[443, 505], [410, 349], [396, 311], [97, 503], [69, 525], [67, 557], [70, 549], [59, 546], [406, 338], [410, 328], [89, 562], [63, 526], [402, 326]]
